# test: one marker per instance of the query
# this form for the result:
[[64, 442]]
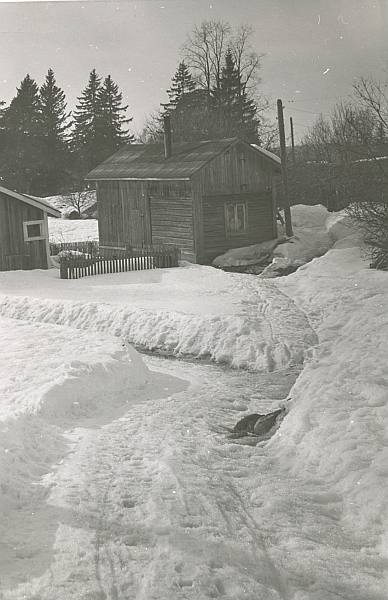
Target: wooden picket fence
[[112, 259]]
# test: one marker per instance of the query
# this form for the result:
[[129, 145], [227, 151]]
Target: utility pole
[[292, 141], [283, 155]]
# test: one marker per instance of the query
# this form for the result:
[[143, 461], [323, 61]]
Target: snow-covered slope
[[156, 504], [64, 202], [75, 230], [53, 379], [337, 428], [192, 311]]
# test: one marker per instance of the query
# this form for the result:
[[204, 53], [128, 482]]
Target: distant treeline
[[45, 149]]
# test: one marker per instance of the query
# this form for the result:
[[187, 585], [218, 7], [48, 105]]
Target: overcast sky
[[313, 48]]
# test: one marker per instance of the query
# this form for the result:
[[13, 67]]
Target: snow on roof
[[371, 159], [62, 201], [268, 154], [32, 200]]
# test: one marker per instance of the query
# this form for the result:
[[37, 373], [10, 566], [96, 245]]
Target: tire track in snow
[[140, 510], [184, 514]]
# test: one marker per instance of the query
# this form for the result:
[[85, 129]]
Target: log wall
[[172, 215], [146, 212]]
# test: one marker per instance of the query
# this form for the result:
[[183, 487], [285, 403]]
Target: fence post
[[63, 270]]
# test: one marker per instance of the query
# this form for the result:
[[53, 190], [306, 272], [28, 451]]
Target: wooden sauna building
[[204, 197], [24, 231]]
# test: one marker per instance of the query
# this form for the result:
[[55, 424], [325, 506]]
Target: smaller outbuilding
[[204, 197], [24, 239]]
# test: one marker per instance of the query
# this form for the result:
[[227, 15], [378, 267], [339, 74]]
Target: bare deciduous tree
[[204, 52], [152, 131], [247, 61], [79, 200], [351, 146], [373, 95]]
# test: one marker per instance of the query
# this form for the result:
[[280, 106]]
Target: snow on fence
[[88, 258], [90, 248]]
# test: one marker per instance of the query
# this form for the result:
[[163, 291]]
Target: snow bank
[[336, 431], [310, 239], [309, 217], [227, 318], [249, 255], [315, 232], [51, 379], [343, 231], [53, 372], [310, 236]]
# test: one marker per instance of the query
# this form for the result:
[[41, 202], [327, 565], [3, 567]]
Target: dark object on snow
[[282, 272], [256, 424], [247, 424], [264, 424]]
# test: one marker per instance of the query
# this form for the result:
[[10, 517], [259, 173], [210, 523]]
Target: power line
[[310, 112]]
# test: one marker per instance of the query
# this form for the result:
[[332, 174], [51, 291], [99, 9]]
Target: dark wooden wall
[[123, 213], [15, 253], [238, 175], [172, 215], [138, 212], [259, 223]]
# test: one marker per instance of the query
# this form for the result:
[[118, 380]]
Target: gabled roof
[[147, 161], [276, 159], [32, 201]]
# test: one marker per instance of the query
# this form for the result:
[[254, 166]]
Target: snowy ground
[[189, 311], [116, 481], [72, 230]]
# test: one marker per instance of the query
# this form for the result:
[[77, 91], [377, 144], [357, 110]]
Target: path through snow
[[156, 505], [187, 312]]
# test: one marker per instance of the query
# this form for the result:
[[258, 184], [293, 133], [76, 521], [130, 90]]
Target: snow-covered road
[[157, 505], [115, 481], [152, 505]]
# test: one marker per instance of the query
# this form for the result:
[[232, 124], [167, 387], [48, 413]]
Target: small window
[[235, 219], [34, 230]]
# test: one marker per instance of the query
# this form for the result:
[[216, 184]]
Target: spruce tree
[[227, 98], [182, 84], [112, 119], [22, 126], [236, 112], [55, 124], [86, 140]]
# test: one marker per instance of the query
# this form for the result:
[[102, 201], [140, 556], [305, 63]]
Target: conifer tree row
[[55, 124], [21, 159], [44, 151]]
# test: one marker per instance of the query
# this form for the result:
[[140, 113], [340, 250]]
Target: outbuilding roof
[[147, 161], [33, 201]]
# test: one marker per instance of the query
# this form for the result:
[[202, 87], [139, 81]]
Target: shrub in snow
[[372, 217]]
